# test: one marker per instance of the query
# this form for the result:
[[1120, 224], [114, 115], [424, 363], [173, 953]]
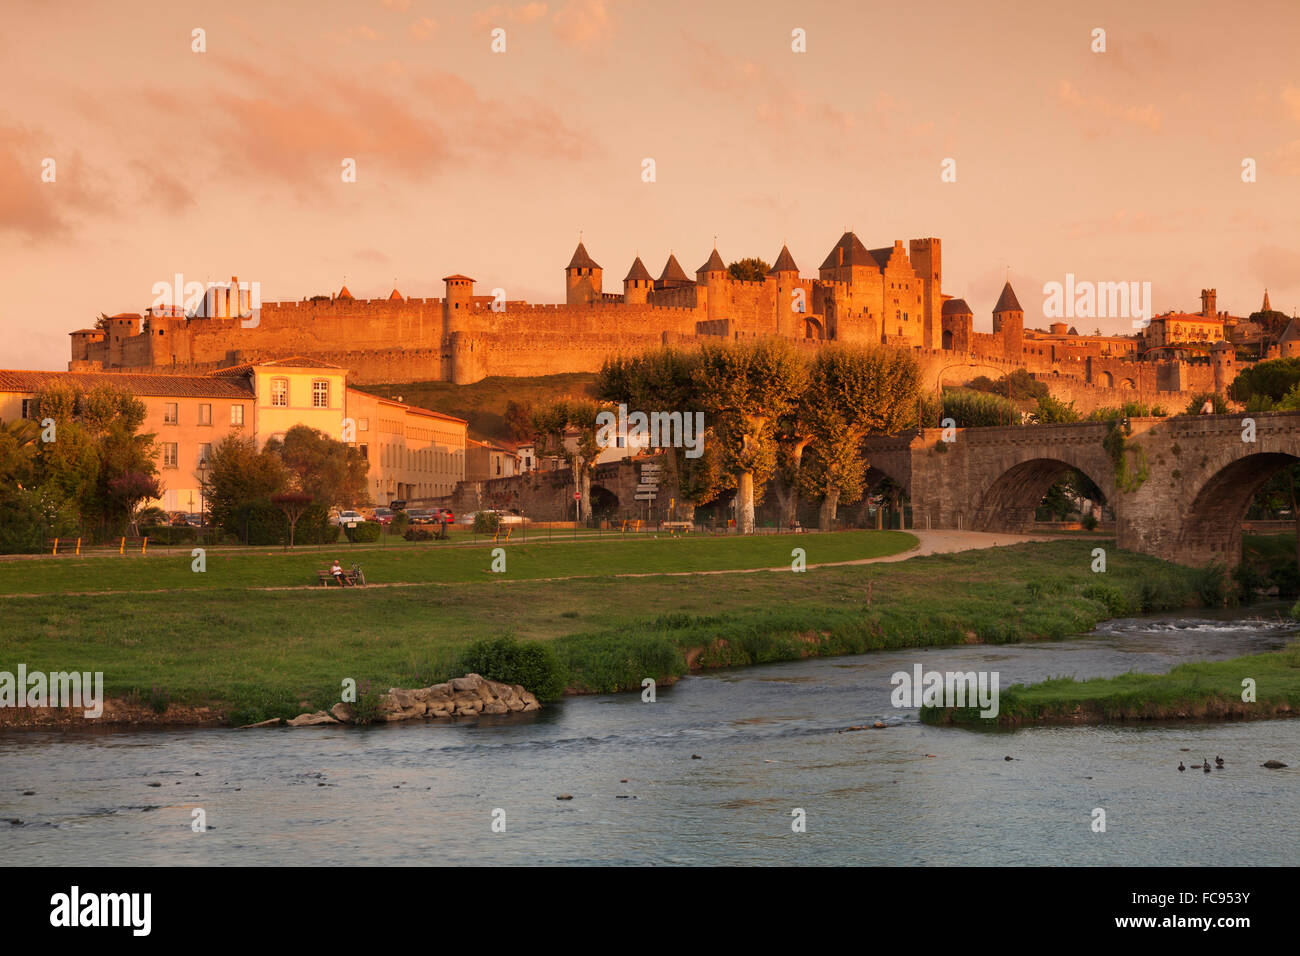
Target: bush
[[1090, 522], [401, 521], [170, 534], [365, 531], [532, 665], [1217, 402], [417, 534], [976, 409], [486, 522], [314, 527], [1215, 586], [1053, 412]]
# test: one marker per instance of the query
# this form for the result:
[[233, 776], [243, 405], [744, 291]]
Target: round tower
[[637, 284], [791, 310], [712, 276], [1009, 322], [583, 278]]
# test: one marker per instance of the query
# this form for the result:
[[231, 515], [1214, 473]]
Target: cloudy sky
[[1117, 166]]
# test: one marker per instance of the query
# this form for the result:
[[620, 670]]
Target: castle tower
[[1288, 345], [712, 276], [673, 276], [456, 304], [1207, 303], [582, 278], [1009, 322], [637, 284], [1223, 357], [958, 324], [927, 263], [1266, 307], [786, 275]]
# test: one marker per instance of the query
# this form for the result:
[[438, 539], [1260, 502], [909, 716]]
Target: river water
[[768, 741]]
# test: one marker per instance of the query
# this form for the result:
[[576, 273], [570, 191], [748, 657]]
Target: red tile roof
[[148, 384]]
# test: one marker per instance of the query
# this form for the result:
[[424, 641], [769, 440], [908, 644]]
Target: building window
[[363, 424], [171, 414], [280, 392], [171, 456], [205, 452], [205, 414], [320, 394], [365, 451], [27, 407], [236, 414]]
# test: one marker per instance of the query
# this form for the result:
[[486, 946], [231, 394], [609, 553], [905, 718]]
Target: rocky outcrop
[[467, 696]]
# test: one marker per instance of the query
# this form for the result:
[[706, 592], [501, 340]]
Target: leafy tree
[[567, 428], [240, 477], [970, 409], [748, 270], [1020, 384], [129, 490], [1054, 412], [746, 389], [519, 420], [851, 392], [332, 472], [293, 504], [664, 380], [1271, 379]]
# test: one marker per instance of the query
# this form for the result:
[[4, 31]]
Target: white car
[[346, 517]]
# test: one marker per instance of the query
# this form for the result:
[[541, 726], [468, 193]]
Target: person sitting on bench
[[339, 576]]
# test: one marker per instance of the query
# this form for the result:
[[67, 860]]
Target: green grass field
[[256, 654], [438, 562], [1196, 689]]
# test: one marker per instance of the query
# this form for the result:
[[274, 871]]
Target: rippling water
[[769, 742]]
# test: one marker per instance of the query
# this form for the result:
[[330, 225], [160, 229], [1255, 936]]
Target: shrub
[[163, 534], [1090, 522], [417, 534], [401, 521], [976, 409], [1214, 586], [533, 664], [486, 522], [365, 531]]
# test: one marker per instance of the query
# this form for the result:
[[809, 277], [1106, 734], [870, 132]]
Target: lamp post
[[203, 474]]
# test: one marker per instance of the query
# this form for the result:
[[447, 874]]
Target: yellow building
[[414, 453], [187, 414]]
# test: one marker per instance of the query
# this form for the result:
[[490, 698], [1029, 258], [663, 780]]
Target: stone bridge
[[1186, 484]]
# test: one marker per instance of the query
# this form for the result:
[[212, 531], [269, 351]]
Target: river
[[768, 741]]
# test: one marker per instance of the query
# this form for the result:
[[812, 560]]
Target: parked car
[[420, 516], [344, 517], [443, 514], [384, 515]]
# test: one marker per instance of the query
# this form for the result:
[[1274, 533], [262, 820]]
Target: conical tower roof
[[638, 272], [1007, 301], [673, 271], [784, 263], [1266, 307], [1292, 332], [956, 307], [714, 264], [344, 293], [581, 260], [395, 296]]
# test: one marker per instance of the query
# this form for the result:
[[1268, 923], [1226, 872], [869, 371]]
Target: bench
[[354, 577]]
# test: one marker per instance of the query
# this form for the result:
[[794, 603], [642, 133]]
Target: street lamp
[[203, 474]]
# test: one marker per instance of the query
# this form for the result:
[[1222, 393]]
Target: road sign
[[644, 496], [653, 488], [577, 496]]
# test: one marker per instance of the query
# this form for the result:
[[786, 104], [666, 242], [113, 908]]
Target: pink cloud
[[1147, 116]]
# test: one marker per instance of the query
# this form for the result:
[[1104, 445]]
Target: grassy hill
[[483, 404]]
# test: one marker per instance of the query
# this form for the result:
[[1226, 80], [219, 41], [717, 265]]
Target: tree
[[129, 490], [519, 420], [746, 389], [293, 504], [1054, 412], [748, 270], [665, 380], [567, 428], [1218, 403], [851, 392], [1271, 379], [332, 472], [240, 477]]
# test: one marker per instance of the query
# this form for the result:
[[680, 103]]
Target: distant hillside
[[483, 404]]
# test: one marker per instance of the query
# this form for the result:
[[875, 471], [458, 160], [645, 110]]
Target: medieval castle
[[891, 296]]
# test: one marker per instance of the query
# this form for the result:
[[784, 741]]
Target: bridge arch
[[1010, 502], [1211, 528]]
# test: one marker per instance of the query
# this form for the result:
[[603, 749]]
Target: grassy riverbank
[[1193, 691], [256, 654]]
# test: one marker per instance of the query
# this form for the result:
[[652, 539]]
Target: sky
[[1117, 165]]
